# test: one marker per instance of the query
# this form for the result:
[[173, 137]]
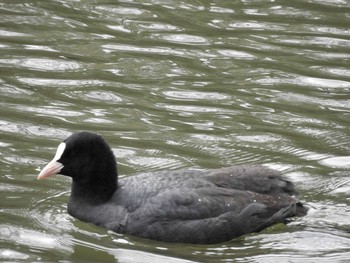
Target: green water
[[170, 85]]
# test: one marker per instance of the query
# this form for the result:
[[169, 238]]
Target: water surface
[[171, 85]]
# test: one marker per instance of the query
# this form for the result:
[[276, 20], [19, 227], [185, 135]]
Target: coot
[[185, 206]]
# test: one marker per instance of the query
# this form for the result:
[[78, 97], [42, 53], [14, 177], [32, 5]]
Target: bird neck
[[94, 191]]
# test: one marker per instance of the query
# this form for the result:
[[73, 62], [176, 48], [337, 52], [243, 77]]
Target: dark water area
[[171, 85]]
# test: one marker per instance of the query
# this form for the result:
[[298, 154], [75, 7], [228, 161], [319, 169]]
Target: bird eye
[[71, 153]]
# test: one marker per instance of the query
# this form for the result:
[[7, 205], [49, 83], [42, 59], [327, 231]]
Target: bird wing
[[255, 178]]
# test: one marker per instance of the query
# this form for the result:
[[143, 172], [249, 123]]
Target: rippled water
[[174, 84]]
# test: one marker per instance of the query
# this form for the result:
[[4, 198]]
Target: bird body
[[184, 206]]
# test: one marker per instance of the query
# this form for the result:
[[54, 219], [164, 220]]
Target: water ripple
[[41, 64], [174, 85]]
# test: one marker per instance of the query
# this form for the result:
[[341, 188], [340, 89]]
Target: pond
[[170, 85]]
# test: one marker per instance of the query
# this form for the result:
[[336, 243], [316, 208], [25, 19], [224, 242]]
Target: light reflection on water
[[175, 85]]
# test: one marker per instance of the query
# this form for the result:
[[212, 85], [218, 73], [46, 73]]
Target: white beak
[[54, 166]]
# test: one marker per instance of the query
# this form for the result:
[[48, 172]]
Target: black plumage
[[187, 206]]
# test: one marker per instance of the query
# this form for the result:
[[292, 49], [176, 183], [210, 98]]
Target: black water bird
[[185, 206]]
